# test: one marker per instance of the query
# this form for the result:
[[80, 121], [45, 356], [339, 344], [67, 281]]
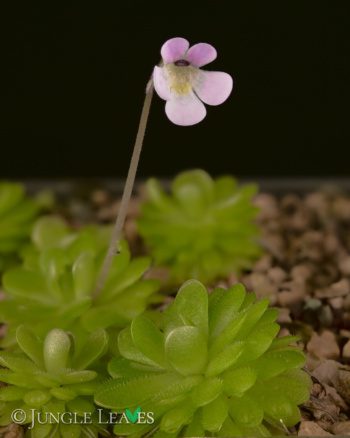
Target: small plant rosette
[[214, 367], [58, 277], [17, 215], [49, 378], [203, 229]]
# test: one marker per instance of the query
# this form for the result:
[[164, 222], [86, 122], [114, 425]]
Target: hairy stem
[[129, 184]]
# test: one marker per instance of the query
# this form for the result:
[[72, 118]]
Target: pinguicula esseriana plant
[[54, 286], [203, 229], [17, 215], [49, 378], [214, 367]]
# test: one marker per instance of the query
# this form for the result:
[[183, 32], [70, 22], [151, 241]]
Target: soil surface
[[304, 271]]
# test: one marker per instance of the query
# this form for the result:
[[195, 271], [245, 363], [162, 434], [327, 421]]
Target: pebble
[[277, 275], [346, 350], [100, 197], [268, 206], [324, 346], [337, 303], [341, 209], [344, 266], [317, 202], [327, 372], [284, 316], [302, 272], [263, 264], [342, 385], [325, 316], [310, 428], [344, 333], [347, 302], [11, 431], [262, 285], [342, 428], [338, 289], [288, 298], [341, 288]]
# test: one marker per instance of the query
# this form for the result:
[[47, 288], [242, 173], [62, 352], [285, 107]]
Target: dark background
[[75, 78]]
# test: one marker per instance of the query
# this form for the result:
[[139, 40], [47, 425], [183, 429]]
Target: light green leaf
[[64, 394], [245, 411], [214, 414], [84, 274], [227, 336], [94, 347], [148, 339], [10, 195], [195, 428], [12, 393], [133, 272], [18, 363], [191, 305], [80, 406], [296, 385], [49, 232], [41, 430], [70, 430], [120, 367], [128, 349], [283, 342], [253, 314], [56, 351], [239, 380], [177, 417], [194, 190], [31, 345], [206, 391], [225, 359], [276, 362], [124, 393], [225, 309], [37, 398], [186, 350], [258, 342], [78, 377], [26, 284]]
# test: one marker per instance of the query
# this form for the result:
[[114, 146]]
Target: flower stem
[[129, 184]]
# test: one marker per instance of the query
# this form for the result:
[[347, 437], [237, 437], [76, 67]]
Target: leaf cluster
[[203, 229], [54, 286], [213, 366], [55, 376], [17, 215]]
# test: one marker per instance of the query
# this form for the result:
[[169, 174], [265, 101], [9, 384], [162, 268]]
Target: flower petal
[[174, 49], [213, 87], [185, 110], [201, 54], [161, 84]]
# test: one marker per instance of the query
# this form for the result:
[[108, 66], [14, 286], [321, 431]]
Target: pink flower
[[184, 86]]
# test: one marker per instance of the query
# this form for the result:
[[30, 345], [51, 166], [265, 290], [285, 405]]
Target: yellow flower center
[[181, 76]]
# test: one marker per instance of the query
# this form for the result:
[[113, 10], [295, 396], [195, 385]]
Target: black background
[[75, 76]]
